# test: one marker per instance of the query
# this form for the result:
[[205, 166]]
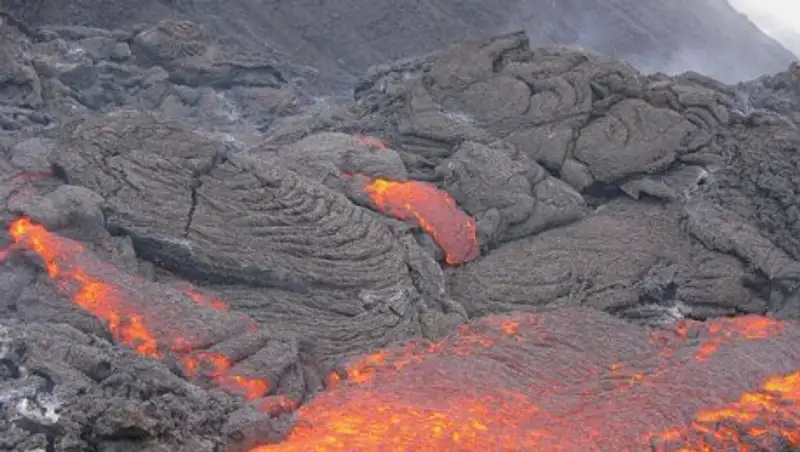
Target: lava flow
[[548, 381], [435, 212], [760, 420], [516, 384], [127, 320]]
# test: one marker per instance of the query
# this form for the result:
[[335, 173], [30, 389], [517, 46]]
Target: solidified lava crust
[[521, 382]]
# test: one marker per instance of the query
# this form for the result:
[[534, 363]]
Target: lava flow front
[[435, 212], [565, 380], [542, 382]]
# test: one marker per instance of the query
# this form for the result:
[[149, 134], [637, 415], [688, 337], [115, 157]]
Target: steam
[[779, 19], [732, 50]]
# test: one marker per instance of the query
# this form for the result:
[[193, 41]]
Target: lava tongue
[[152, 319], [433, 210]]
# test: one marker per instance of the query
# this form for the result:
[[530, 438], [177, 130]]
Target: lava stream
[[435, 212], [496, 385], [112, 304]]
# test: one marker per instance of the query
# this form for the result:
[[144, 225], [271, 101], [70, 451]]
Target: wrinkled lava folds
[[433, 210], [151, 326], [566, 380]]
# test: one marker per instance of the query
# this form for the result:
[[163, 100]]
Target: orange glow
[[248, 388], [106, 301], [277, 404], [372, 142], [433, 210], [204, 300], [731, 330], [424, 396], [366, 422], [386, 402], [714, 334], [765, 416], [99, 298]]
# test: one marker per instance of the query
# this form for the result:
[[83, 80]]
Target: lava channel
[[152, 325], [433, 210]]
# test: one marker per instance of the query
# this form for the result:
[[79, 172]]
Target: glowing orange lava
[[730, 330], [401, 399], [99, 298], [107, 302], [759, 420], [218, 367], [510, 383], [435, 212], [369, 423]]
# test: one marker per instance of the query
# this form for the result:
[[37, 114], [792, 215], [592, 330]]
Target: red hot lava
[[435, 212], [528, 382], [444, 396], [128, 322], [750, 424]]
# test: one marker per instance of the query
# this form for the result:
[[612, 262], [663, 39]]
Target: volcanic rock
[[342, 39], [66, 390], [184, 201], [176, 67], [178, 276]]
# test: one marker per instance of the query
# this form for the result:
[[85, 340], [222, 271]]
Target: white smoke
[[778, 18]]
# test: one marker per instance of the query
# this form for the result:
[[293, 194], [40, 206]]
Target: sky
[[778, 18]]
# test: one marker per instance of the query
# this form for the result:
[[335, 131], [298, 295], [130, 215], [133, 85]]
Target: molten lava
[[441, 396], [95, 296], [128, 323], [567, 380], [435, 212], [759, 420]]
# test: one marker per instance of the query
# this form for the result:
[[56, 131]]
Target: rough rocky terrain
[[509, 246], [343, 38]]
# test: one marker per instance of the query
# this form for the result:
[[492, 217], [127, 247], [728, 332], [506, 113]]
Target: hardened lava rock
[[62, 389]]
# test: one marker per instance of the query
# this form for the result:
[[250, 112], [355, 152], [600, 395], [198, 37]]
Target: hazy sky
[[778, 18]]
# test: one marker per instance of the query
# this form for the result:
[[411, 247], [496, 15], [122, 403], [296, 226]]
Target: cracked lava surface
[[503, 383]]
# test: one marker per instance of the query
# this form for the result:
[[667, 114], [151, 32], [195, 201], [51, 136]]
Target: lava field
[[492, 247]]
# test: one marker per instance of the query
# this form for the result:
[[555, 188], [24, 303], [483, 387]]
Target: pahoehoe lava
[[493, 247]]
